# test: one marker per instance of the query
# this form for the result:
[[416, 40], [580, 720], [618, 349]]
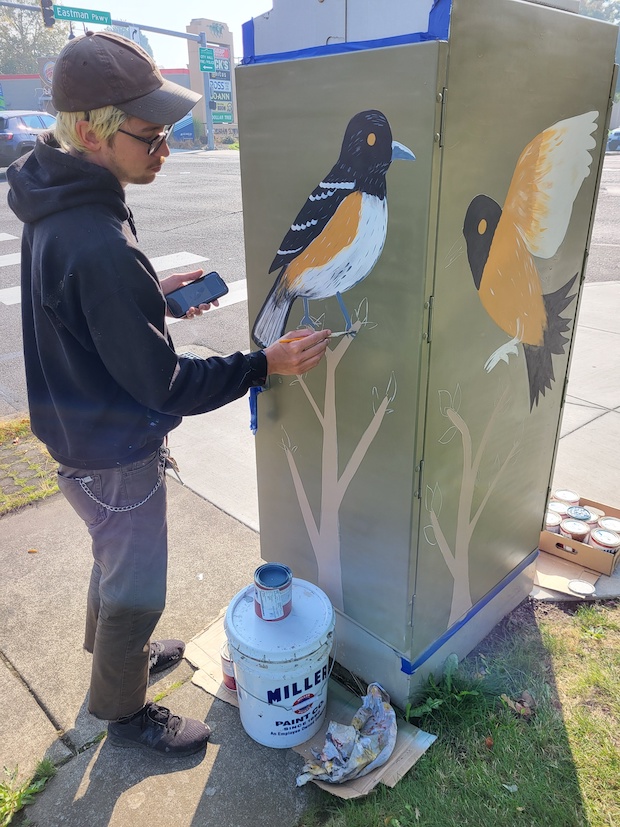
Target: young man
[[105, 385]]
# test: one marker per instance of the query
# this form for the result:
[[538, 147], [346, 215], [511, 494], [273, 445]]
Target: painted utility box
[[407, 475]]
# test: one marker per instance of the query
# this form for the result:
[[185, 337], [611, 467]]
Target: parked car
[[613, 141], [18, 132]]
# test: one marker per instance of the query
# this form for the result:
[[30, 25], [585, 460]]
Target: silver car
[[18, 132]]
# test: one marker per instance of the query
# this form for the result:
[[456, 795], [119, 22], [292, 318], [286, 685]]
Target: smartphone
[[202, 291]]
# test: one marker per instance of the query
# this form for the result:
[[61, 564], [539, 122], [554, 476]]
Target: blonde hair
[[104, 122]]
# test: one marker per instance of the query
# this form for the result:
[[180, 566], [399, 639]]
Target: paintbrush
[[331, 336]]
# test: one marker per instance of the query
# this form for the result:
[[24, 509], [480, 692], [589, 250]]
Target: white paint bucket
[[281, 669]]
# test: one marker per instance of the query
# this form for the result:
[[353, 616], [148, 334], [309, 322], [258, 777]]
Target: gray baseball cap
[[105, 69]]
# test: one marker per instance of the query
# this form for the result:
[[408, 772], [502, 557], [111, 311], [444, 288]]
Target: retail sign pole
[[207, 60]]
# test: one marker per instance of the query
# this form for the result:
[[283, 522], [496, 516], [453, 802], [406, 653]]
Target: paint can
[[575, 529], [595, 516], [282, 669], [605, 540], [609, 524], [228, 670], [552, 522], [578, 512], [558, 508], [273, 591], [566, 496]]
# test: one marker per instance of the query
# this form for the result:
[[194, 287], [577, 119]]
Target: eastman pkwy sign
[[74, 15]]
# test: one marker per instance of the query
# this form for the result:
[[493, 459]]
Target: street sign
[[134, 34], [74, 15], [207, 60]]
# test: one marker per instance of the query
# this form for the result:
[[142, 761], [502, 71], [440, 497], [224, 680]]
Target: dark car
[[613, 141], [19, 130]]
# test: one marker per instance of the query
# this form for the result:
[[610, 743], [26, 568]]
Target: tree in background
[[24, 38], [608, 10]]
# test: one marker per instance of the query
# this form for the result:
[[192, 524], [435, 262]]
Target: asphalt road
[[192, 213]]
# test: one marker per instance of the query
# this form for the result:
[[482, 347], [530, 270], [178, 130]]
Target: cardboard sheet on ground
[[556, 574], [203, 652]]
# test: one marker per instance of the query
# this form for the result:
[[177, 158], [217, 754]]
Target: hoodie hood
[[48, 180]]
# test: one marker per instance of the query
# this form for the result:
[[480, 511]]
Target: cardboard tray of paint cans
[[584, 554]]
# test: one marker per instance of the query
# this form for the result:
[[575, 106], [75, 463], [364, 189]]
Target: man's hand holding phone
[[191, 294]]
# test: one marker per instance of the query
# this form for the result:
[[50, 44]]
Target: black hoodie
[[104, 382]]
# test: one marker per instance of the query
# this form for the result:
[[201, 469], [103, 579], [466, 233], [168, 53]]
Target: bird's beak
[[401, 153]]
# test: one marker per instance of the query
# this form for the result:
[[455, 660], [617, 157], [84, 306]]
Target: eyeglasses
[[154, 143]]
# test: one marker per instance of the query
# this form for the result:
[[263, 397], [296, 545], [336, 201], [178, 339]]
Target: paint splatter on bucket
[[228, 670], [273, 591]]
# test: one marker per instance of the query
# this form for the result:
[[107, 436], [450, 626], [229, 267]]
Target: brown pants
[[127, 591]]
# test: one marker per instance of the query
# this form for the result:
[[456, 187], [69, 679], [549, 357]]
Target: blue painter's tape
[[409, 667], [247, 36], [254, 408], [438, 29]]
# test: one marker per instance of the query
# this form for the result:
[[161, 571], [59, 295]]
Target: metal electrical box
[[407, 475]]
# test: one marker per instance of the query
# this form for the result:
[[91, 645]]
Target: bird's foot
[[502, 354], [309, 321]]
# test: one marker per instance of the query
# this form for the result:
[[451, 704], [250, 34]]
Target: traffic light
[[47, 7]]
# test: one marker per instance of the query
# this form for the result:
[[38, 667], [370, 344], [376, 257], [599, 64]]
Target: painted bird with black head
[[503, 243], [338, 235]]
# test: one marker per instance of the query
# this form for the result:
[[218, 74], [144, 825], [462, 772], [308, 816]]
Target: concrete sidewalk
[[214, 549]]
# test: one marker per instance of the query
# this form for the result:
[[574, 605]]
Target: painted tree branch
[[311, 400], [458, 562], [302, 498], [442, 543], [360, 450]]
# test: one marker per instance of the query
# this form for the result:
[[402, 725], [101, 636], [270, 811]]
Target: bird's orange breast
[[510, 289], [337, 234]]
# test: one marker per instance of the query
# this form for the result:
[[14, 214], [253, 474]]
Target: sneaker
[[155, 728], [165, 653]]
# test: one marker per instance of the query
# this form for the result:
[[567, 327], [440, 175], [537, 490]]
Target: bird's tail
[[538, 359], [270, 323]]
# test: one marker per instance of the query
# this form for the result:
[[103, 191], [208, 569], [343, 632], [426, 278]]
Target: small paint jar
[[552, 522], [605, 540], [595, 516], [578, 512], [610, 524], [575, 529], [566, 496], [558, 508], [228, 671], [273, 591]]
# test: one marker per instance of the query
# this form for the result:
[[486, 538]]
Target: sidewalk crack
[[42, 706]]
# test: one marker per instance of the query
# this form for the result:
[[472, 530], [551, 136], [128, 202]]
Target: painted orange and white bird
[[338, 235], [502, 244]]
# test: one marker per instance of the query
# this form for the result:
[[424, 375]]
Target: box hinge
[[441, 98], [428, 306], [419, 469]]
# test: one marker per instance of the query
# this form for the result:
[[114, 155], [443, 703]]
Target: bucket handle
[[283, 706]]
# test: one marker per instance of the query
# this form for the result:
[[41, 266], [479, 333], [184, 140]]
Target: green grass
[[547, 755], [27, 472], [15, 795]]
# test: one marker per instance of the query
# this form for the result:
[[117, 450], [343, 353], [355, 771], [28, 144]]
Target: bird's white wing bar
[[338, 185]]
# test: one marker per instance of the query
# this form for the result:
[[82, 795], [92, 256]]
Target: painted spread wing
[[547, 178], [313, 217]]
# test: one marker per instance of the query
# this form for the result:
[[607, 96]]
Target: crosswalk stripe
[[7, 237], [169, 262], [10, 295], [12, 258]]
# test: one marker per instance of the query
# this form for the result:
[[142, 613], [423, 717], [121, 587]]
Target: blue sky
[[171, 52]]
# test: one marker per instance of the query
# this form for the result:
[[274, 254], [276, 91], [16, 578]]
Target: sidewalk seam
[[42, 706]]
